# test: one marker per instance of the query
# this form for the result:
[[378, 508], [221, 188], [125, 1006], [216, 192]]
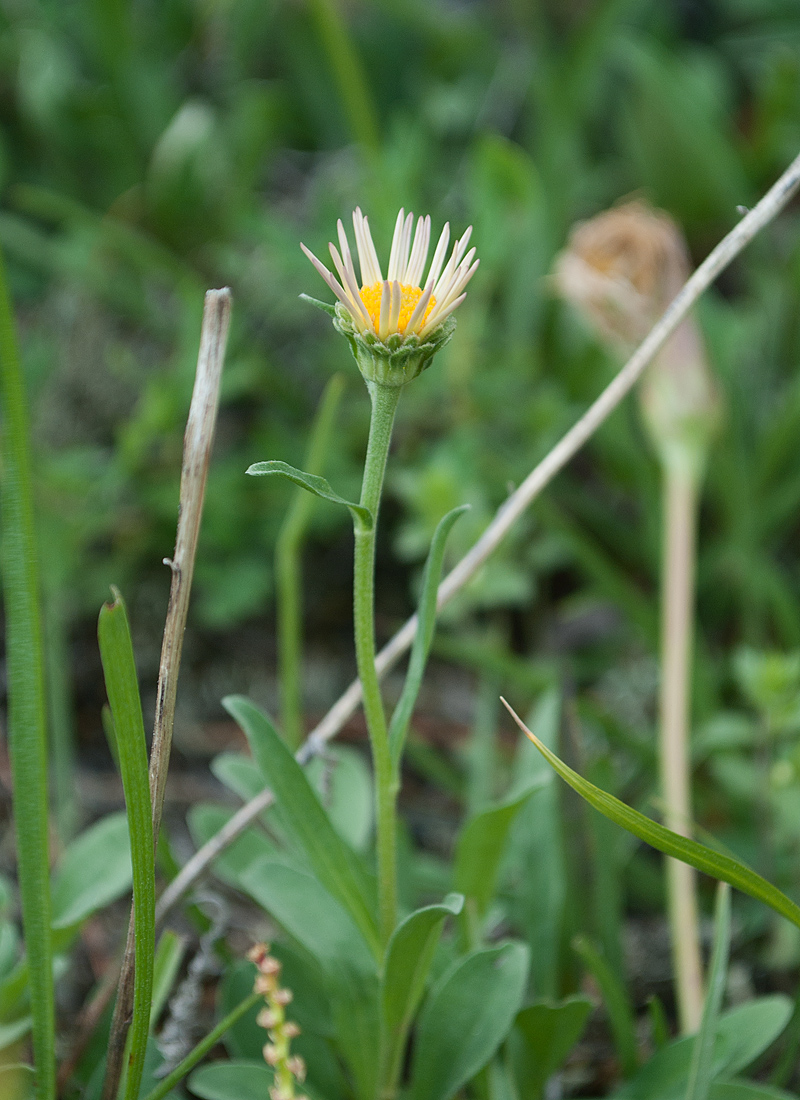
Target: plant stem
[[27, 726], [680, 513], [384, 404]]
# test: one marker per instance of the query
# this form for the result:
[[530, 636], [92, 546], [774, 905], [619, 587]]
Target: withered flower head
[[621, 269]]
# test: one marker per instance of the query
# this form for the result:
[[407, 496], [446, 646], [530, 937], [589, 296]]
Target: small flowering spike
[[288, 1067], [396, 325]]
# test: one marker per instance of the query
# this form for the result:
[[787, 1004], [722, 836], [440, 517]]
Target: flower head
[[396, 324]]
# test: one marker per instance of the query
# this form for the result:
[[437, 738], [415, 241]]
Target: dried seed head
[[621, 269]]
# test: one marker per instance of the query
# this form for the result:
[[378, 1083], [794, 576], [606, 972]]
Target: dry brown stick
[[509, 512], [197, 444]]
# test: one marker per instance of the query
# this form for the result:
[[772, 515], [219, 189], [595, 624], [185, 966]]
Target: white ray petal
[[439, 255], [332, 283], [405, 248], [350, 287], [419, 253], [383, 317], [367, 256], [397, 243], [396, 302], [344, 247], [419, 311], [458, 280], [437, 316]]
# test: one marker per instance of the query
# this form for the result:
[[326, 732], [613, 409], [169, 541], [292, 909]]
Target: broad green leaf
[[94, 870], [426, 625], [206, 819], [543, 1035], [337, 865], [239, 773], [617, 1002], [408, 960], [362, 517], [232, 1081], [313, 917], [344, 785], [119, 669], [743, 1033], [466, 1017], [750, 1028], [13, 1032], [700, 1073], [480, 848], [724, 867]]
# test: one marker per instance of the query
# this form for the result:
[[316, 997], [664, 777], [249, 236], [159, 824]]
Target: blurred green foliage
[[151, 149]]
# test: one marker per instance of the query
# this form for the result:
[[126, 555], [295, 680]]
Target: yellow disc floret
[[371, 297]]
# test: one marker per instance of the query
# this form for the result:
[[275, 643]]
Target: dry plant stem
[[197, 445], [510, 511], [680, 514]]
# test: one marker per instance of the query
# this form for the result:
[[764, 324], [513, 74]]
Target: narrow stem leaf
[[726, 868]]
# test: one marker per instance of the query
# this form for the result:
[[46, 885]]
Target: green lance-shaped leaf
[[408, 961], [27, 730], [726, 868], [119, 669], [702, 1069], [339, 869], [466, 1018], [362, 517], [543, 1035], [481, 844], [426, 615], [94, 870]]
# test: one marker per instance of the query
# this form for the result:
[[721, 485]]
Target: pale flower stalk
[[622, 269]]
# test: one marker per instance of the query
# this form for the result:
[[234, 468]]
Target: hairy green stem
[[384, 405], [27, 727]]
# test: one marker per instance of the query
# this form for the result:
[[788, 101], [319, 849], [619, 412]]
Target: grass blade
[[703, 1054], [726, 868], [116, 653], [27, 726]]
